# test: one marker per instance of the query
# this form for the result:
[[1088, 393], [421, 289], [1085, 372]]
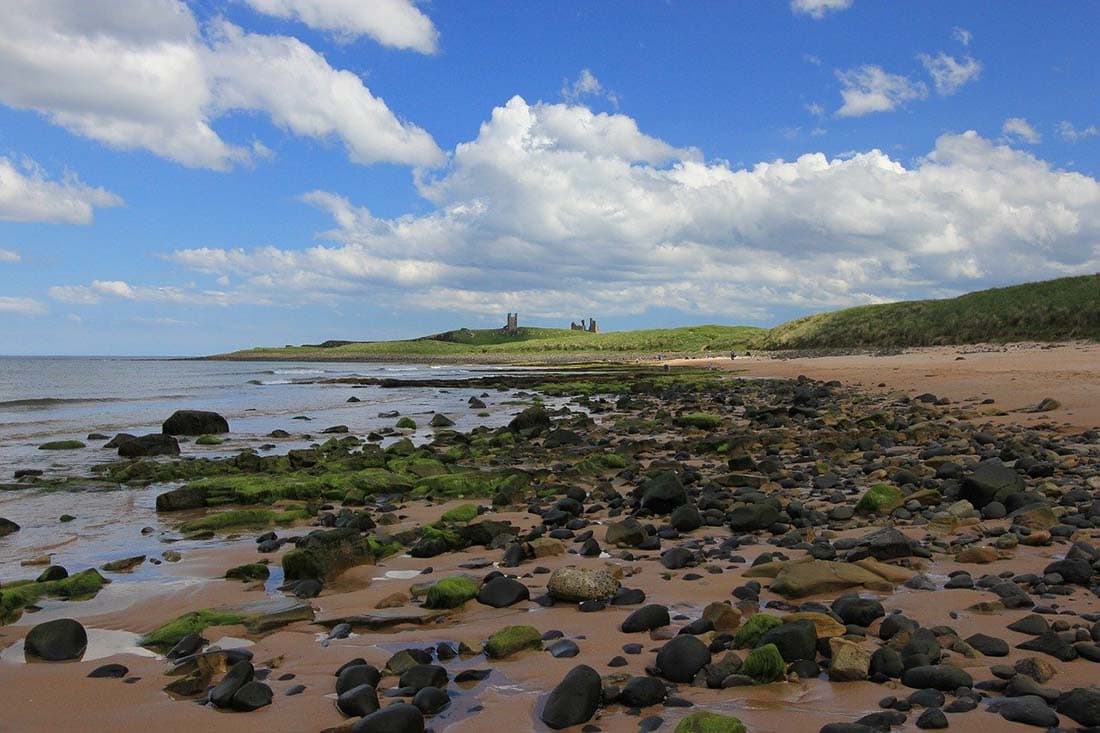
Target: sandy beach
[[1015, 376], [799, 448]]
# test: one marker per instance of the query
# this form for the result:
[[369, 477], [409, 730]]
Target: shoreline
[[738, 450]]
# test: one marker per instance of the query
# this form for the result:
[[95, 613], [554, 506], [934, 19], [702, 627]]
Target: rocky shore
[[677, 551]]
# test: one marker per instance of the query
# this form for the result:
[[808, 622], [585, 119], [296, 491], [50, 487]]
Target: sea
[[45, 399]]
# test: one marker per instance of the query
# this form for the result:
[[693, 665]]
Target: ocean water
[[46, 399], [56, 398]]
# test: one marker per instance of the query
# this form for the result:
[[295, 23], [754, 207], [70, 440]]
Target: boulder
[[195, 422], [512, 639], [800, 579], [251, 696], [764, 664], [849, 661], [795, 640], [991, 481], [358, 701], [707, 722], [643, 692], [646, 618], [752, 517], [502, 591], [942, 677], [154, 444], [1081, 705], [533, 420], [628, 533], [578, 585], [239, 674], [574, 700], [181, 499], [7, 527], [324, 554], [662, 493], [681, 658], [56, 641], [397, 718]]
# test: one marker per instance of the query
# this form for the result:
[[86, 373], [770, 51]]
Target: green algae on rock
[[880, 499], [249, 571], [450, 592], [755, 627], [324, 554], [238, 518], [192, 622], [764, 664], [707, 722], [62, 445], [17, 595], [460, 514], [512, 639]]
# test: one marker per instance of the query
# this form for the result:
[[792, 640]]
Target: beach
[[696, 496]]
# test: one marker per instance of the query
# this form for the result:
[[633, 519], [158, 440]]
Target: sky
[[181, 178]]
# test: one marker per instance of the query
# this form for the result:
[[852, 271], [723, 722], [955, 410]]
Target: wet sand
[[56, 696]]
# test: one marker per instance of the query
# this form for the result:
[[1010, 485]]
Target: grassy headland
[[1056, 310], [1066, 309], [530, 344]]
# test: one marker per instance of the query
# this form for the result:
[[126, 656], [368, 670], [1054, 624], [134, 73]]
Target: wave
[[43, 403], [296, 371]]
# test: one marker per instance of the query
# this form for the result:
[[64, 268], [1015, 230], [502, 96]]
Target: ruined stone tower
[[511, 328], [590, 328]]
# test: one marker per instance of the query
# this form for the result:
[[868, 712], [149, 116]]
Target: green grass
[[1056, 310], [535, 341]]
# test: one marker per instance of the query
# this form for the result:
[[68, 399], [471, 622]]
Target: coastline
[[770, 420]]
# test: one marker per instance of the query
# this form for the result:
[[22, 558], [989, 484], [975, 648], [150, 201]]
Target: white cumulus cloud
[[10, 255], [870, 89], [962, 35], [1018, 129], [28, 194], [22, 306], [146, 76], [950, 74], [394, 23], [556, 211], [818, 9]]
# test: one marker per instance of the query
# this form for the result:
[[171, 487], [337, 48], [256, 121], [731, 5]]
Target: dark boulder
[[252, 696], [642, 692], [681, 658], [991, 481], [502, 591], [57, 641], [574, 700], [662, 493], [154, 444], [795, 640], [195, 422], [397, 718], [185, 497], [646, 618], [358, 701], [7, 527], [942, 677], [237, 677], [1081, 705]]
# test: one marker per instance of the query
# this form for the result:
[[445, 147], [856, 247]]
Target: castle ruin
[[590, 328], [511, 328]]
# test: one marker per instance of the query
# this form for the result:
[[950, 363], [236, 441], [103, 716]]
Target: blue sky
[[192, 177]]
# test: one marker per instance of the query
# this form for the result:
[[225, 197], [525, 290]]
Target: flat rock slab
[[385, 617], [270, 614], [800, 579]]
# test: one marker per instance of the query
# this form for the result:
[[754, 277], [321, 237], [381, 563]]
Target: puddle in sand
[[101, 643], [399, 575]]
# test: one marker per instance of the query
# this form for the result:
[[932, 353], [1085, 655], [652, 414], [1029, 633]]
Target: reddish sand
[[57, 697], [1016, 376]]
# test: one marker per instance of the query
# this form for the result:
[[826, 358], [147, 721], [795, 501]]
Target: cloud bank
[[147, 77], [554, 210]]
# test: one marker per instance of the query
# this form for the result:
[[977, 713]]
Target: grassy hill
[[529, 342], [1056, 310]]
